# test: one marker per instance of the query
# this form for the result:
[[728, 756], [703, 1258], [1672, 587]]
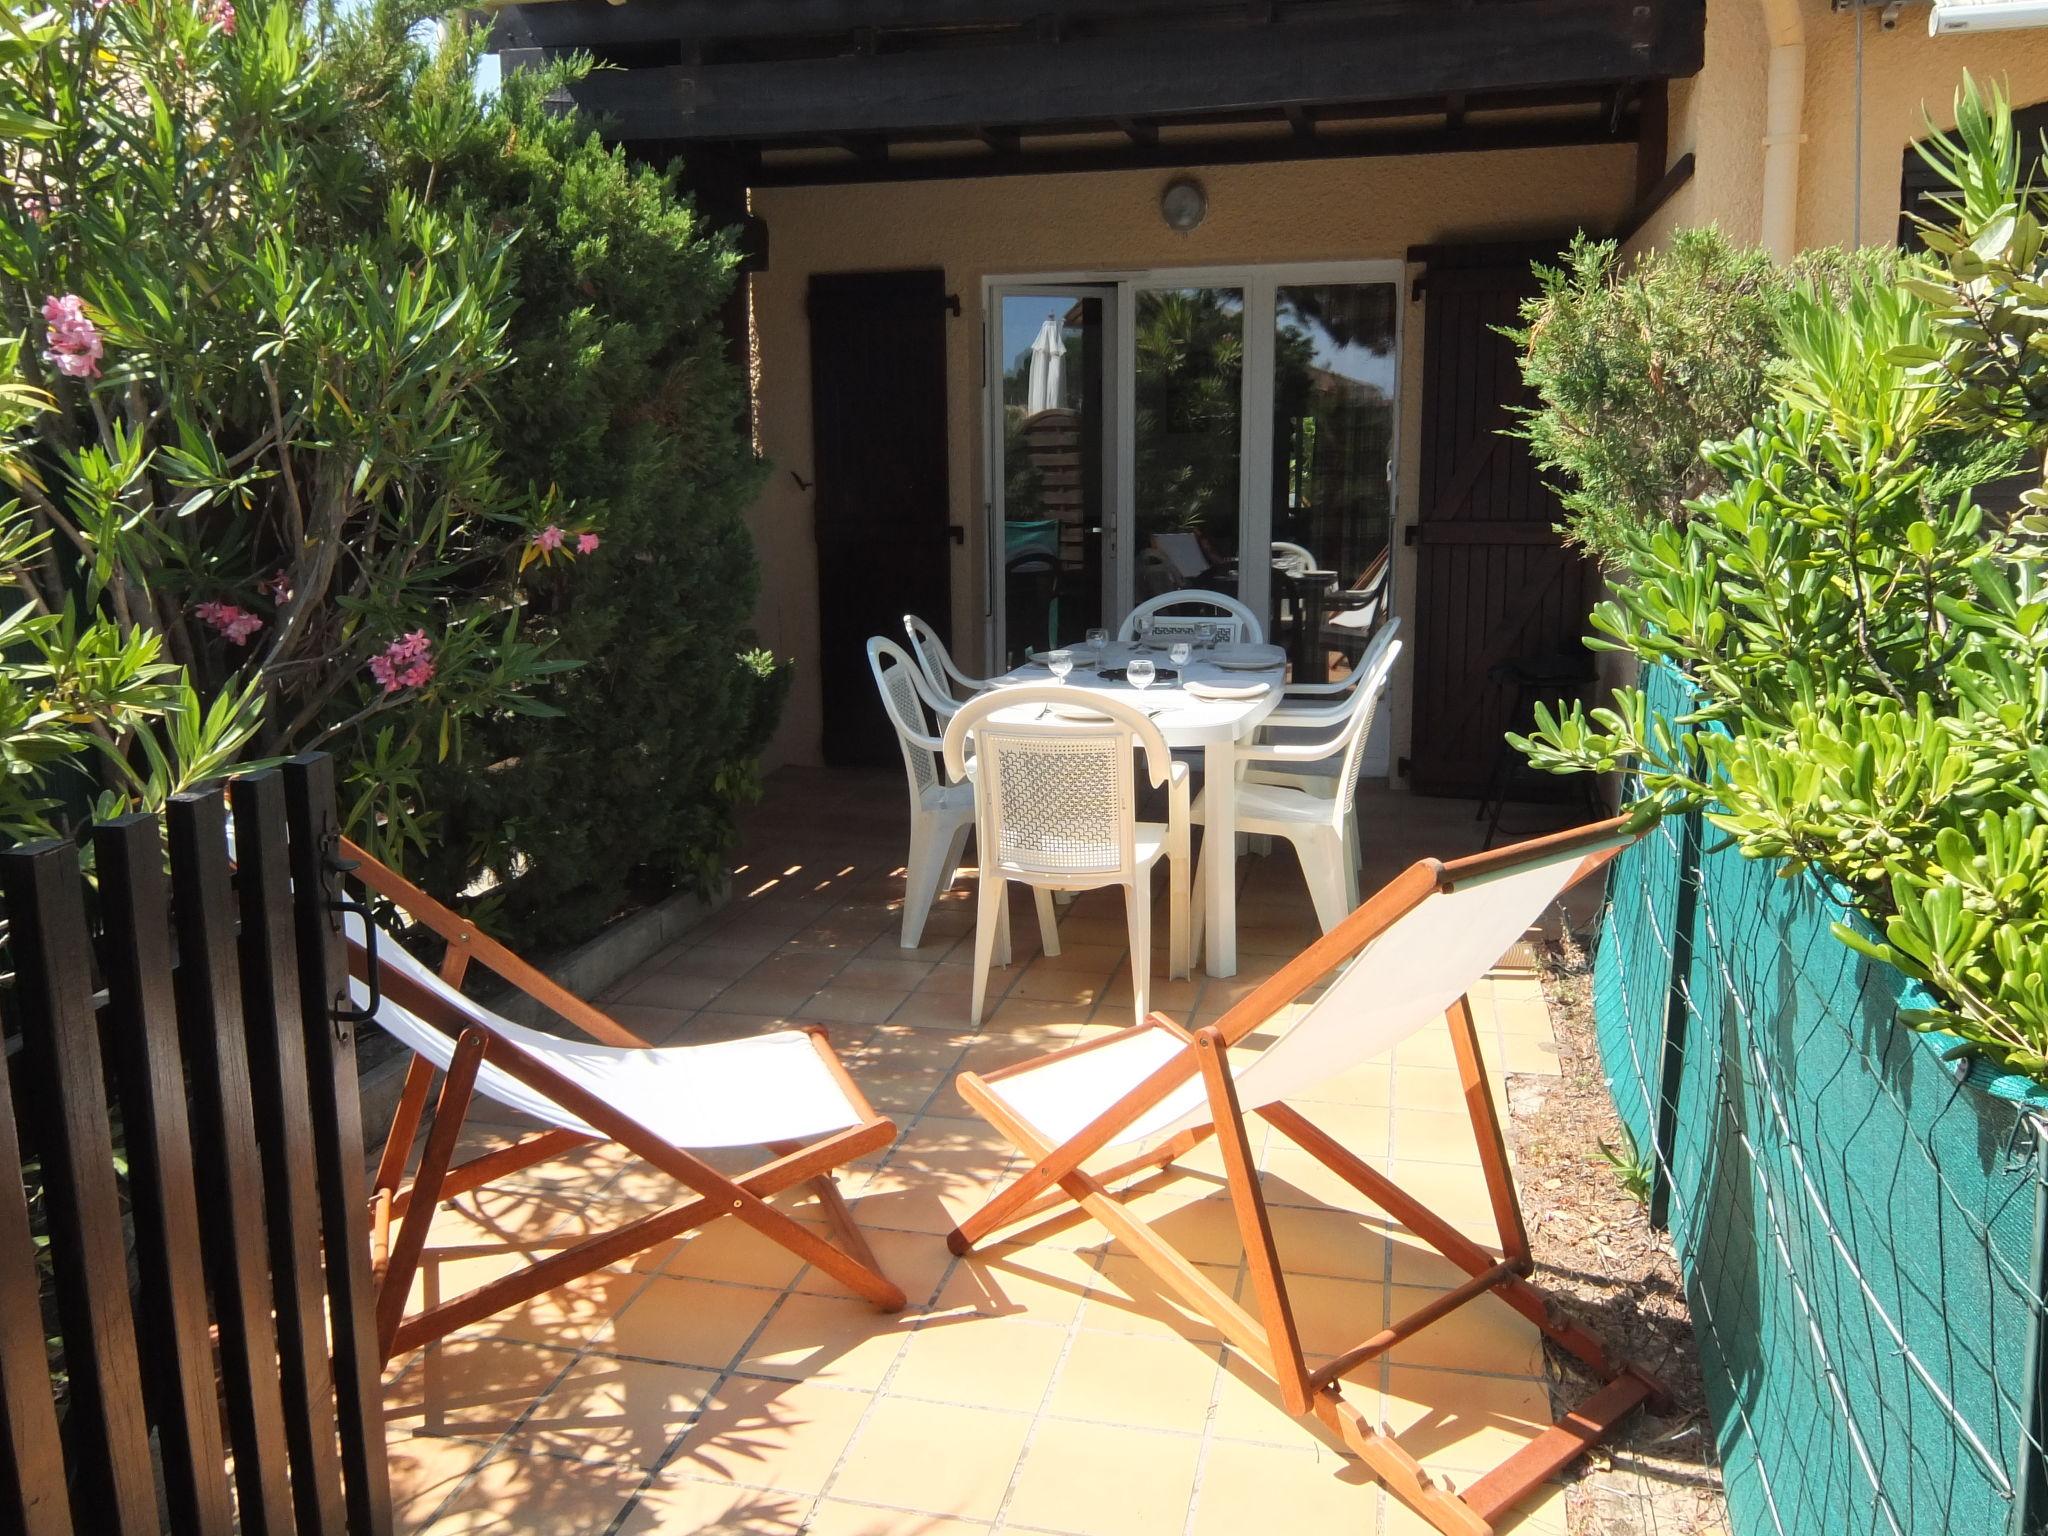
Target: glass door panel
[[1334, 374], [1188, 359], [1050, 470]]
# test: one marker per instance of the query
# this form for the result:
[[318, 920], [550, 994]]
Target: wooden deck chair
[[1405, 960], [786, 1092]]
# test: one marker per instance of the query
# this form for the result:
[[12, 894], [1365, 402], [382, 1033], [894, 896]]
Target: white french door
[[1202, 428]]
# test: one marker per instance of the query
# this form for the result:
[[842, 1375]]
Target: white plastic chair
[[944, 676], [1228, 622], [1323, 827], [1320, 705], [941, 813], [1056, 809]]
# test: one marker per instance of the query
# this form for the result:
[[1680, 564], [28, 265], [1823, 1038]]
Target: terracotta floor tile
[[1131, 1299], [570, 1315], [625, 1412], [1023, 1010], [425, 1470], [786, 1435], [1202, 1225], [1094, 1480], [1036, 1280], [923, 1195], [537, 1496], [1370, 1084], [689, 1322], [1136, 1380], [1314, 1240], [1485, 1334], [842, 1004], [893, 1458], [889, 974], [982, 1362], [1437, 1088], [1525, 1053], [473, 1387], [1467, 1423], [837, 1340], [685, 1507], [1434, 1136], [1282, 1488], [1293, 1177], [674, 989], [730, 1251], [933, 1010], [916, 1261], [832, 1518]]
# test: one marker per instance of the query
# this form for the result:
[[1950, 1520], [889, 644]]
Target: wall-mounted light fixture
[[1985, 15], [1183, 204]]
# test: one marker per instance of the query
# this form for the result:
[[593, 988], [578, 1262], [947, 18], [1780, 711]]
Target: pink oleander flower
[[235, 625], [35, 206], [404, 663], [549, 538], [75, 345], [221, 13], [277, 588], [586, 543]]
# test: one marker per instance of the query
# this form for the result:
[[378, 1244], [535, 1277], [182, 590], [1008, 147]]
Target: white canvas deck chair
[[1404, 961], [786, 1092]]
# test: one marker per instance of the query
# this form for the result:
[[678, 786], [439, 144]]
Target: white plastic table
[[1214, 725]]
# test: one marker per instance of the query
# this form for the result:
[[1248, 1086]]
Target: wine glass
[[1098, 640], [1178, 653], [1145, 634], [1059, 663], [1140, 674]]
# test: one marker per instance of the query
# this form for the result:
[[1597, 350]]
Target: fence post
[[314, 839], [1677, 1017]]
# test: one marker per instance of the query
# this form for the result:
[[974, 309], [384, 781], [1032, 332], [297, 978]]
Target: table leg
[[1219, 857]]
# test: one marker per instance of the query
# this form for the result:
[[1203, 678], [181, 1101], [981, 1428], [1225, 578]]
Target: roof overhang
[[837, 90]]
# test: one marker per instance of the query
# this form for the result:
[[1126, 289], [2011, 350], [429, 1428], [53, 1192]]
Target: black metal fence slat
[[278, 1079], [33, 1499], [149, 1071], [210, 1009], [338, 1140], [108, 1453]]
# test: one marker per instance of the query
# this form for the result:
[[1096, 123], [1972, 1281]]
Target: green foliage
[[1869, 646], [1636, 1171], [270, 459], [619, 780], [1636, 364]]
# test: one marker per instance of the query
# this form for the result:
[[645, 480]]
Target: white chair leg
[[1180, 915], [1352, 875], [956, 850], [1048, 922], [1198, 909], [992, 902], [923, 873], [1138, 912], [1321, 852]]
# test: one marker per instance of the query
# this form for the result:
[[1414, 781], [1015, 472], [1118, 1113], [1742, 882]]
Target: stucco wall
[[1340, 210], [1907, 77]]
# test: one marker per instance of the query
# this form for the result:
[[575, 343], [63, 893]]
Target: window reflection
[[1333, 431], [1189, 382]]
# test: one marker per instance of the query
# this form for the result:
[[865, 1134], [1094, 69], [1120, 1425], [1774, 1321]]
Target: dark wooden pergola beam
[[1414, 48], [1173, 156]]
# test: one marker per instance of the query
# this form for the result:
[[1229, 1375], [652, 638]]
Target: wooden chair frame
[[1266, 1333], [394, 1262]]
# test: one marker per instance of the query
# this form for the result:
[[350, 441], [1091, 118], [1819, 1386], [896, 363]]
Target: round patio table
[[1188, 722]]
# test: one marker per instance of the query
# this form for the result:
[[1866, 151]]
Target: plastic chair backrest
[[1365, 703], [1056, 796], [1228, 620], [936, 662], [902, 688]]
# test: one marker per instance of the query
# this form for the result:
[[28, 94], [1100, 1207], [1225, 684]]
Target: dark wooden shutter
[[1494, 580], [878, 424]]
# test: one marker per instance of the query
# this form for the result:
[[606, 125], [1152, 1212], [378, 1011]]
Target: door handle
[[957, 534]]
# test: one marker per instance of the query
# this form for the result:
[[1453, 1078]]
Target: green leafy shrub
[[271, 460], [616, 387], [1869, 646]]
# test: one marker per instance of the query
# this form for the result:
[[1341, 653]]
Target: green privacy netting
[[1857, 1225]]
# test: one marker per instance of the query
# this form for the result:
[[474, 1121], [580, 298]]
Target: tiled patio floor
[[1045, 1386]]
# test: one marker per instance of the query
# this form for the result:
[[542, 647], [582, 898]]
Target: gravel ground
[[1596, 1251]]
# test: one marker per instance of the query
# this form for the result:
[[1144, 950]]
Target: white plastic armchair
[[1056, 809], [1320, 705], [941, 672], [941, 813], [1278, 797], [1227, 620]]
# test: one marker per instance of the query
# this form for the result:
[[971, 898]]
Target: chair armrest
[[1303, 752]]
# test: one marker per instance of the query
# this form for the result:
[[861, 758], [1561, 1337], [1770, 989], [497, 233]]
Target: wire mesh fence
[[1861, 1228]]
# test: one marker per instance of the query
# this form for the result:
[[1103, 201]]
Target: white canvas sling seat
[[750, 1092], [1404, 961], [785, 1091]]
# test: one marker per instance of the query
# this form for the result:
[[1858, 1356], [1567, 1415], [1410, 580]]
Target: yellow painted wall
[[1340, 210], [1907, 75]]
